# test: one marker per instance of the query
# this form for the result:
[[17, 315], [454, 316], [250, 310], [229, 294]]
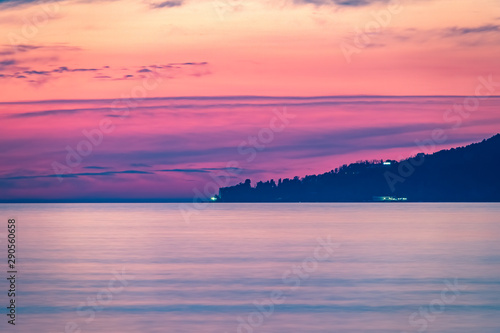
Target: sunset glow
[[379, 78]]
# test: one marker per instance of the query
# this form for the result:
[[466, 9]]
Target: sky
[[155, 100]]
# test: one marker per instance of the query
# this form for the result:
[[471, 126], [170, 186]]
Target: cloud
[[26, 48], [462, 36], [185, 170], [11, 49], [167, 4], [66, 69], [460, 31], [355, 98], [58, 112], [48, 74], [23, 48], [14, 3], [169, 71], [200, 170], [61, 70], [82, 174], [154, 5], [29, 74], [342, 3], [184, 64], [37, 72], [96, 167], [84, 70], [7, 63], [233, 102]]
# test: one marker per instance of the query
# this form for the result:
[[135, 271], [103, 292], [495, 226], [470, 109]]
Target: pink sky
[[66, 67]]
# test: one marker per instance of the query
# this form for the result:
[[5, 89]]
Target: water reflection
[[207, 276]]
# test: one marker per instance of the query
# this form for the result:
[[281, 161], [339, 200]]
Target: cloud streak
[[106, 73], [461, 31], [481, 35], [81, 174], [176, 104], [166, 4], [341, 3]]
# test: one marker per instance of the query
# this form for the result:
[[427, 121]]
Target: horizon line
[[174, 201]]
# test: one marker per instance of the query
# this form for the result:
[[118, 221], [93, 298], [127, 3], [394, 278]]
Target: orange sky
[[250, 47]]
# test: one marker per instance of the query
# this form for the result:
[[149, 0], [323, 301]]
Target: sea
[[251, 267]]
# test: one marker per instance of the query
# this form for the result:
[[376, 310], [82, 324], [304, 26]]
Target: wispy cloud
[[155, 5], [96, 167], [23, 48], [460, 31], [169, 71], [14, 3], [166, 4], [201, 170], [342, 3], [7, 63], [13, 49], [81, 174], [463, 36], [176, 104]]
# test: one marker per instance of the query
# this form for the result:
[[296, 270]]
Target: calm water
[[142, 268]]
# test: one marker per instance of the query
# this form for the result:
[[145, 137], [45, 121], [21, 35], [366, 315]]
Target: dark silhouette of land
[[464, 174]]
